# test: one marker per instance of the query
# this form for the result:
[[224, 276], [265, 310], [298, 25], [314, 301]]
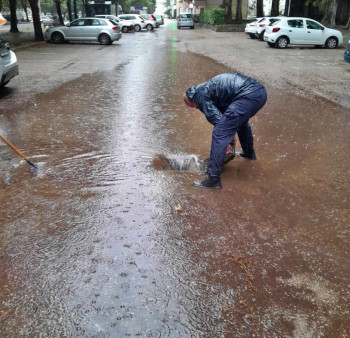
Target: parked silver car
[[185, 20], [8, 64], [47, 21], [105, 31]]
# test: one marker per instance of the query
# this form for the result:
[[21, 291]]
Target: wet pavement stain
[[96, 244]]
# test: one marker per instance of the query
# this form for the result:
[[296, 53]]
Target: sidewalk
[[18, 40]]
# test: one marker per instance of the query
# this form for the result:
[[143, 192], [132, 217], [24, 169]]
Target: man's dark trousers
[[235, 119]]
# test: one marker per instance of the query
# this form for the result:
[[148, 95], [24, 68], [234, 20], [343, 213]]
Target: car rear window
[[114, 22], [186, 16], [275, 22]]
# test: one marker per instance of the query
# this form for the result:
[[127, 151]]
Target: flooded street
[[103, 240]]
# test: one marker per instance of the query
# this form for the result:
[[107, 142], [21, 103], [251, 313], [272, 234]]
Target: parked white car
[[250, 28], [8, 64], [125, 25], [136, 20], [261, 26], [301, 31]]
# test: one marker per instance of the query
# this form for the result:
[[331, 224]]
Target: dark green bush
[[213, 16]]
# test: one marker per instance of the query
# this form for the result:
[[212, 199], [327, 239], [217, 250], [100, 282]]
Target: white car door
[[315, 33], [296, 31]]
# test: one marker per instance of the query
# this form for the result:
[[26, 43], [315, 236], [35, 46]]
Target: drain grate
[[177, 163]]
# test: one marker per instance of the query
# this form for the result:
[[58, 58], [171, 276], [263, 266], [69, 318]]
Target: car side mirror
[[68, 25], [322, 28]]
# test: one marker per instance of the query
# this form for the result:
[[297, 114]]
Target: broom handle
[[14, 148]]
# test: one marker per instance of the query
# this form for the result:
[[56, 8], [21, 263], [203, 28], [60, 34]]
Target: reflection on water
[[100, 243]]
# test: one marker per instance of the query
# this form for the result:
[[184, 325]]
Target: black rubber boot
[[211, 182], [249, 155]]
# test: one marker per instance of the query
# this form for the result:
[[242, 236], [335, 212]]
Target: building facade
[[199, 6]]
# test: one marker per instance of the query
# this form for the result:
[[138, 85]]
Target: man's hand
[[228, 148]]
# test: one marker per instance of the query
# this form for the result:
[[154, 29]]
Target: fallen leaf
[[178, 208], [6, 313]]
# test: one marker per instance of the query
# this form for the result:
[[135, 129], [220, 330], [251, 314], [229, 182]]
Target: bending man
[[228, 101]]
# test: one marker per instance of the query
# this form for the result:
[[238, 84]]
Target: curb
[[24, 46]]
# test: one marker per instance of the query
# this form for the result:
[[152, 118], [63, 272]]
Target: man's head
[[188, 102]]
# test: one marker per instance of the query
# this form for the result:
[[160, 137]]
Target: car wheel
[[282, 42], [137, 28], [252, 36], [178, 27], [271, 44], [149, 27], [104, 39], [261, 36], [125, 29], [332, 42], [57, 38], [192, 27]]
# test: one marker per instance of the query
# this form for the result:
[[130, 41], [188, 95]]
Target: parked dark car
[[347, 52]]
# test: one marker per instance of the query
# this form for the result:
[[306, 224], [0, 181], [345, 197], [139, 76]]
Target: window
[[313, 25], [275, 22], [103, 23], [79, 22], [95, 22], [296, 23], [114, 22], [186, 16]]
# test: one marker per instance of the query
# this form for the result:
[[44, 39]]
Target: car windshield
[[186, 16]]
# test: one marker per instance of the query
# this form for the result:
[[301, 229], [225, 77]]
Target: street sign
[[2, 20]]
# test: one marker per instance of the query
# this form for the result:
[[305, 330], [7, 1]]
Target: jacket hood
[[195, 93]]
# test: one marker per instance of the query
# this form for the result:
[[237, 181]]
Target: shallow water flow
[[105, 242]]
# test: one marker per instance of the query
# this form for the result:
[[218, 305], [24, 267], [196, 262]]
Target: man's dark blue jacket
[[215, 96]]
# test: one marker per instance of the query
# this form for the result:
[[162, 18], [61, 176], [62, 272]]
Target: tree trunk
[[239, 11], [329, 13], [275, 7], [69, 8], [259, 8], [286, 7], [24, 6], [117, 8], [75, 9], [59, 11], [38, 32], [348, 24], [14, 28], [87, 9], [227, 5]]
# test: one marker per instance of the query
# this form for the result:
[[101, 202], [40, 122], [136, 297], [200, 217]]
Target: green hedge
[[213, 16]]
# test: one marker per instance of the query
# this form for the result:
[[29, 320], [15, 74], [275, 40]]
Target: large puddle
[[110, 238]]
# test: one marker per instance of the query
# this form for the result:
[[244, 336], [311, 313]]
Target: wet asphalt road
[[99, 242]]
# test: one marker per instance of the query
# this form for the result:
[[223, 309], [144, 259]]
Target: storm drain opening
[[177, 163]]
